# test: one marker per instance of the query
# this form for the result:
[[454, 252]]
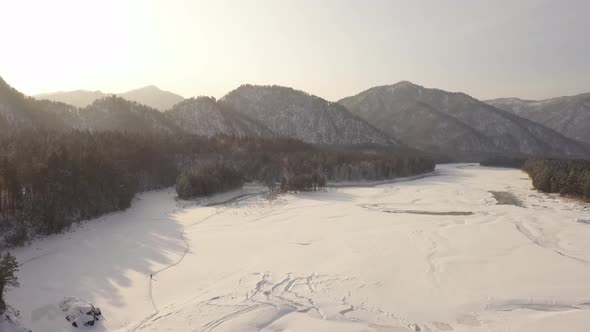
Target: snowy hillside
[[118, 114], [302, 116], [567, 115], [432, 254], [20, 112], [455, 124], [111, 113], [246, 111], [9, 322], [205, 116]]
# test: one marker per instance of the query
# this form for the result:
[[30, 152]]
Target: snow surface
[[9, 322], [432, 254]]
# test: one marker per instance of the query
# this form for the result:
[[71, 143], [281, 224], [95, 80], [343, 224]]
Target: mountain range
[[278, 112], [455, 124], [568, 115], [112, 113], [150, 95], [299, 115], [402, 115]]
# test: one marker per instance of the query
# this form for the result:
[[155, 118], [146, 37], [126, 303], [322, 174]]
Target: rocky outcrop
[[79, 313]]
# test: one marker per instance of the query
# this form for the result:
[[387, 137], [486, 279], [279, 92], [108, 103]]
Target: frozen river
[[433, 254]]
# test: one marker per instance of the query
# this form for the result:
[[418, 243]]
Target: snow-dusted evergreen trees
[[8, 269], [289, 165], [49, 180], [567, 177], [195, 182]]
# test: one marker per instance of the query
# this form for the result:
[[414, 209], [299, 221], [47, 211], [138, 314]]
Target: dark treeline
[[288, 165], [569, 178], [194, 182], [49, 180], [502, 161]]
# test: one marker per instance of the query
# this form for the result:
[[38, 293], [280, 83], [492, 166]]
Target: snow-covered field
[[432, 254]]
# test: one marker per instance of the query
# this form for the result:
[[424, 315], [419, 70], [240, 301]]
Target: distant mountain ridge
[[402, 116], [455, 124], [111, 113], [154, 97], [297, 114], [78, 98], [280, 112], [118, 114], [19, 112], [569, 115], [150, 96]]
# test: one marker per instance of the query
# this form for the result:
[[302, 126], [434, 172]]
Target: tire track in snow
[[521, 228], [32, 259]]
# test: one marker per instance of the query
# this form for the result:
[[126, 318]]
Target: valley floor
[[432, 254]]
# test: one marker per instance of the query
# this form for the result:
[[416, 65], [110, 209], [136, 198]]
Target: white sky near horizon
[[532, 49]]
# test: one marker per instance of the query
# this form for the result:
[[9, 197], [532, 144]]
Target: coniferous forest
[[570, 178], [504, 161], [49, 179]]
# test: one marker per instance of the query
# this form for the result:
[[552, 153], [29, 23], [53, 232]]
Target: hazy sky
[[332, 48]]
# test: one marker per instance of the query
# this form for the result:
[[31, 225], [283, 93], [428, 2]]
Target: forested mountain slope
[[302, 116], [117, 114], [206, 116], [568, 115], [110, 113], [456, 124], [20, 112]]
